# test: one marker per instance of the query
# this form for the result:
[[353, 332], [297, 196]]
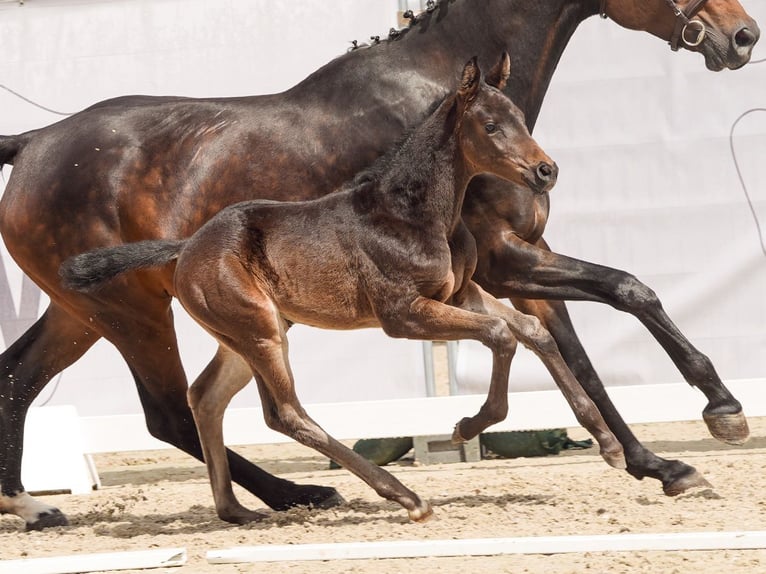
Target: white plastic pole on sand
[[76, 563], [491, 546]]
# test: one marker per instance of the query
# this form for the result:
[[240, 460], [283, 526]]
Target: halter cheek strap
[[685, 25]]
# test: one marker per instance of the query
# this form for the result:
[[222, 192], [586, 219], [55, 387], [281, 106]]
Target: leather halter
[[685, 22]]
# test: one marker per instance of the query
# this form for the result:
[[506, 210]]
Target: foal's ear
[[499, 75], [470, 81]]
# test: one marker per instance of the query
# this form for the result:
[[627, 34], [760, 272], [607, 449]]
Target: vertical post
[[428, 363]]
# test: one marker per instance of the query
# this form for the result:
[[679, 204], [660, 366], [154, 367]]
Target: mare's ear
[[499, 75], [469, 81]]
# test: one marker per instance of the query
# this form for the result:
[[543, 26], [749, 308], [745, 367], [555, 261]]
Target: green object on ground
[[381, 451], [515, 444]]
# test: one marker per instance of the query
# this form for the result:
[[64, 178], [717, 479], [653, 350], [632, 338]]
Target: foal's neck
[[426, 178]]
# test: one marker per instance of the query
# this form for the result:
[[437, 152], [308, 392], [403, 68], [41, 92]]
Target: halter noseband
[[684, 23]]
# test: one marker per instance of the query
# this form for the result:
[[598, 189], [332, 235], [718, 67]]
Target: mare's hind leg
[[533, 335], [53, 343]]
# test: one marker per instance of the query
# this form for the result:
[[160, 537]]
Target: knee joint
[[632, 294]]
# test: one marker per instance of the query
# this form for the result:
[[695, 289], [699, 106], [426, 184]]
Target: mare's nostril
[[745, 38], [545, 171]]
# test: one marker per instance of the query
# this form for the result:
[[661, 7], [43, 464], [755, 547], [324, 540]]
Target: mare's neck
[[535, 33]]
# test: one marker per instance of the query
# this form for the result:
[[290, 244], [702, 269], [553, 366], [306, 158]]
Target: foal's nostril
[[745, 38]]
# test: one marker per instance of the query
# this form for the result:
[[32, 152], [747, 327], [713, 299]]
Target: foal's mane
[[410, 158]]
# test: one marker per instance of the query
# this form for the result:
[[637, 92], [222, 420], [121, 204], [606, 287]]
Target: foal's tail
[[89, 271]]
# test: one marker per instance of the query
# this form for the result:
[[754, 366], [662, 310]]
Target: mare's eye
[[490, 128]]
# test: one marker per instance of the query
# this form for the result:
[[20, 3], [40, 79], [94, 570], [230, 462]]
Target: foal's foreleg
[[533, 335]]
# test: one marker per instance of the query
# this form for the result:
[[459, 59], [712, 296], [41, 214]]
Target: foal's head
[[493, 134]]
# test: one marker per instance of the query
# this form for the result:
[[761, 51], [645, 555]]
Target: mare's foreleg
[[530, 272], [555, 276]]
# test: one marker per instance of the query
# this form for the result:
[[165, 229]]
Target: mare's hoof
[[688, 482], [615, 459], [423, 513], [48, 520], [309, 495], [333, 500], [730, 428]]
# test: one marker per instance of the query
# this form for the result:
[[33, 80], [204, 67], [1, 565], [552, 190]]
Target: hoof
[[730, 428], [615, 459], [423, 513], [688, 482], [48, 520], [242, 516], [308, 495], [457, 438], [335, 499]]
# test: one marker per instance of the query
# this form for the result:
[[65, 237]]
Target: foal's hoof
[[730, 428], [462, 432], [421, 514], [615, 458], [688, 482], [48, 520], [457, 438]]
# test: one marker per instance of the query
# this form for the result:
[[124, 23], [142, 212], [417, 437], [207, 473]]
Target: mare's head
[[720, 30], [493, 133]]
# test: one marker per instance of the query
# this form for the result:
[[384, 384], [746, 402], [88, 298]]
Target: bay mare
[[166, 165]]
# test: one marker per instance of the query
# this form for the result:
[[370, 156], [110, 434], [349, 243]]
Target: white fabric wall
[[67, 55], [648, 185], [641, 135]]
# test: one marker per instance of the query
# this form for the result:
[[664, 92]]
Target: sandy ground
[[162, 499]]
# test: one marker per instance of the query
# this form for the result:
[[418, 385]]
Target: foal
[[389, 250]]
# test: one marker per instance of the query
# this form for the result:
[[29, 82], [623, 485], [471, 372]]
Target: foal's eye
[[490, 128]]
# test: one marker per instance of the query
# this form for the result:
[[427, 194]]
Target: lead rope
[[741, 178]]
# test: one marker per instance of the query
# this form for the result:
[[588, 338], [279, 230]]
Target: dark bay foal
[[390, 250]]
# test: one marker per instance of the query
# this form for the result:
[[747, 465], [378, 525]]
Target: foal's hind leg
[[209, 395], [147, 342], [53, 343], [260, 339], [532, 334]]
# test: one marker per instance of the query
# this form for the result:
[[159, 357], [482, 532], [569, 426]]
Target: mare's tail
[[9, 147], [89, 271]]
